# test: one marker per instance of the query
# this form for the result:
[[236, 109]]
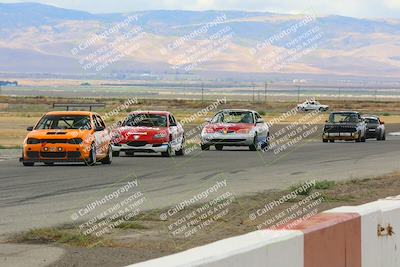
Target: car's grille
[[227, 140], [340, 129], [33, 154], [74, 155], [137, 144], [53, 155], [54, 141]]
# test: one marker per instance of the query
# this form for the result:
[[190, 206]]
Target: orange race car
[[68, 136]]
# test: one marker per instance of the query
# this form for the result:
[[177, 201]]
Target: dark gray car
[[375, 128]]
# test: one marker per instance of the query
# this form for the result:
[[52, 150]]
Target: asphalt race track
[[42, 196]]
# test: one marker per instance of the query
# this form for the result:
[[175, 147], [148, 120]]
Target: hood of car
[[230, 127], [58, 134], [139, 133]]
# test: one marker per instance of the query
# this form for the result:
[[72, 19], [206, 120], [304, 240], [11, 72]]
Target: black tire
[[28, 164], [205, 147], [265, 145], [167, 153], [332, 141], [325, 140], [129, 153], [92, 156], [363, 139], [115, 153], [219, 147], [379, 137], [253, 147], [383, 136], [181, 152], [358, 140], [108, 160], [49, 163]]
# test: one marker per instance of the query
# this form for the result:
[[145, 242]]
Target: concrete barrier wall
[[341, 237]]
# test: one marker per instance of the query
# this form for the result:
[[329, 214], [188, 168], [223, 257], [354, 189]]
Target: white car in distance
[[311, 106]]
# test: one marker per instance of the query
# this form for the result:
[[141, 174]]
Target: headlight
[[33, 141], [244, 131], [160, 135], [75, 141], [208, 130]]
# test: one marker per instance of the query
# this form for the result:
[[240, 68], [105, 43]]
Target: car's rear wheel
[[332, 141], [219, 147], [108, 159], [28, 164], [325, 140]]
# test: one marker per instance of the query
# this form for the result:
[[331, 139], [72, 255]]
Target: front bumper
[[54, 153], [227, 139], [340, 136], [148, 148]]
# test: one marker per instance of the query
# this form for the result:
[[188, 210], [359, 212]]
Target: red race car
[[149, 131]]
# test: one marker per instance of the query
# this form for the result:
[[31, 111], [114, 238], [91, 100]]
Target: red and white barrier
[[361, 236]]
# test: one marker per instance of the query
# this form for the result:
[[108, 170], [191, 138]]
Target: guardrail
[[361, 236]]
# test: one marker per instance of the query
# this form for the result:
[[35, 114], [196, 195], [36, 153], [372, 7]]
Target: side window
[[101, 122], [96, 123], [217, 118], [172, 121]]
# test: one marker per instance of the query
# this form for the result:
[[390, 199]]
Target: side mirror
[[99, 129], [29, 129], [207, 120], [326, 121]]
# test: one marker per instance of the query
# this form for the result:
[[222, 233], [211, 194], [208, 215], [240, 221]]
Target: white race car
[[235, 127], [312, 105]]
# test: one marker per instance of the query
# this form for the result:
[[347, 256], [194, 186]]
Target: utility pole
[[202, 93], [254, 89], [298, 94], [265, 92]]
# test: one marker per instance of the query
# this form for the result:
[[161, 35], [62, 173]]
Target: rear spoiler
[[82, 105]]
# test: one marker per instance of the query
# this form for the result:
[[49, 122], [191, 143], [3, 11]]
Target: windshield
[[64, 122], [372, 121], [343, 118], [234, 117], [146, 120]]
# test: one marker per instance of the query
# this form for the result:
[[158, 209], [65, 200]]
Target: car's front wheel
[[168, 152], [92, 156], [253, 147], [108, 158], [28, 164], [219, 147], [181, 151]]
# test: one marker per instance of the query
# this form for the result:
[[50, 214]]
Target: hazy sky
[[354, 8]]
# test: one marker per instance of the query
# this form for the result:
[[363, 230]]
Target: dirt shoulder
[[148, 236]]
